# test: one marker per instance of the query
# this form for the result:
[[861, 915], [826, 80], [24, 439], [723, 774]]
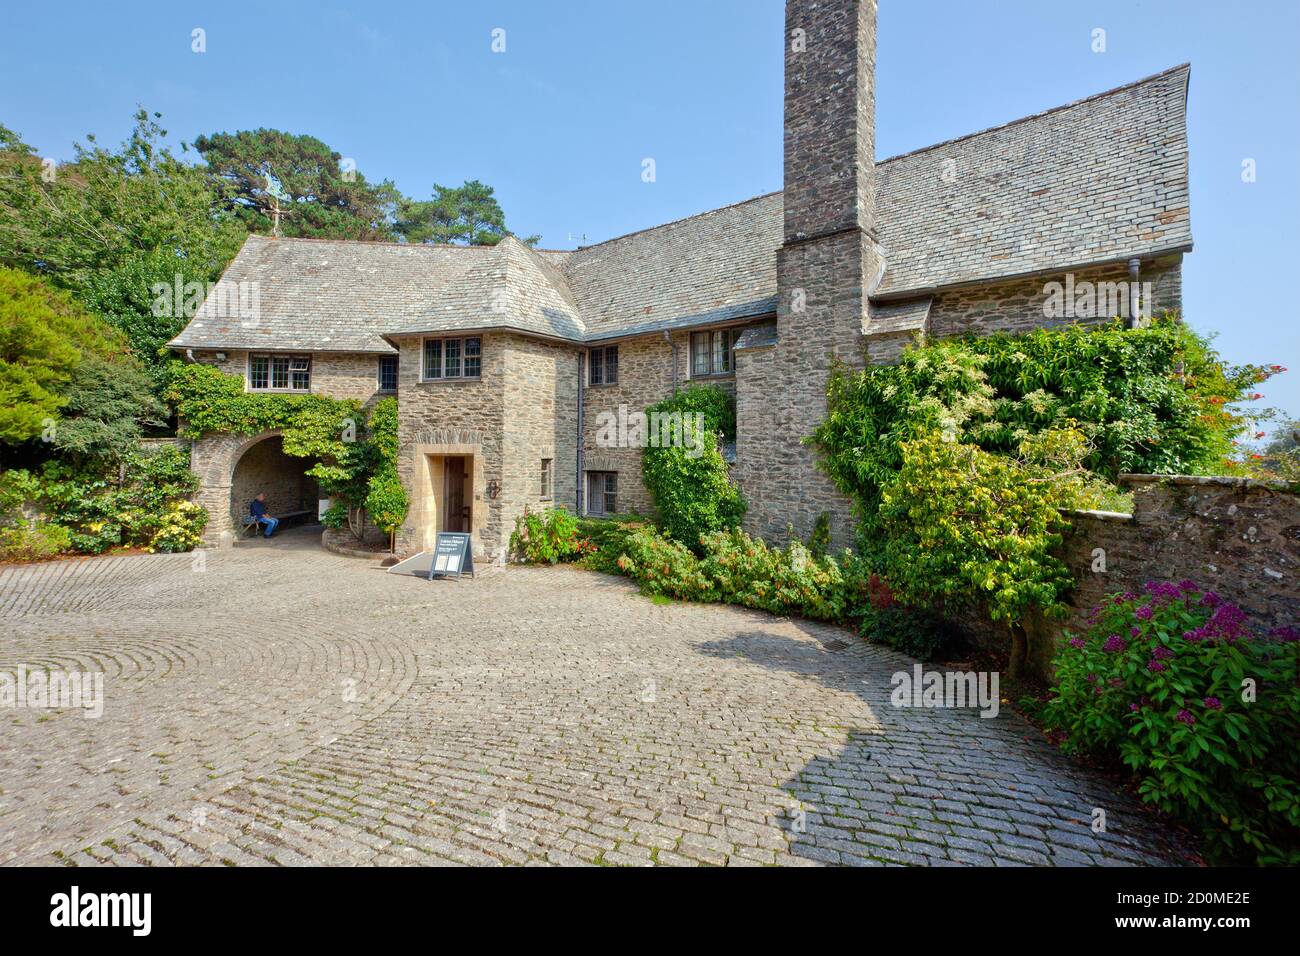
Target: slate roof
[[1100, 180]]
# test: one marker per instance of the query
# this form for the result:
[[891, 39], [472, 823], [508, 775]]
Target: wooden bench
[[249, 523]]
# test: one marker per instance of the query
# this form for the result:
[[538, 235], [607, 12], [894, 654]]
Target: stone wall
[[1237, 537], [541, 421], [1018, 306], [450, 417], [334, 374]]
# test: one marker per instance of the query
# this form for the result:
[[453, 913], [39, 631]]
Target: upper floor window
[[712, 352], [388, 373], [279, 373], [602, 366], [452, 358]]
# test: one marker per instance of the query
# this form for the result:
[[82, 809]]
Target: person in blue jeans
[[257, 510]]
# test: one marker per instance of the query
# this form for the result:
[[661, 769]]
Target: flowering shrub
[[792, 580], [548, 538], [664, 566], [181, 528], [1205, 714], [917, 632]]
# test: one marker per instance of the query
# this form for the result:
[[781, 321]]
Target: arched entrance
[[265, 468]]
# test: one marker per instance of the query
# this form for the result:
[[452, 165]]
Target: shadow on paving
[[944, 785]]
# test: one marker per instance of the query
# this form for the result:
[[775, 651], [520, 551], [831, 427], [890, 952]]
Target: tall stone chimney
[[825, 269]]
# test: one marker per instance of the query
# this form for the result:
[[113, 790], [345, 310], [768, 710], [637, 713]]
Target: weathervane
[[277, 193]]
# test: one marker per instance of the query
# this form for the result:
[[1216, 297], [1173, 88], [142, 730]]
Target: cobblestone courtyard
[[286, 705]]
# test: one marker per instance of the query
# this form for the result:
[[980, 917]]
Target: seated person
[[257, 510]]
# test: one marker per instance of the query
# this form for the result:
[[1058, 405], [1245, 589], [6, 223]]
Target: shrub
[[608, 540], [181, 528], [917, 632], [548, 537], [386, 502], [665, 567], [32, 541], [792, 580], [819, 542], [1163, 682], [691, 487], [335, 516]]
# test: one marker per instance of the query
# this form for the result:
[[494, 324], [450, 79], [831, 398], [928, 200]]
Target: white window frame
[[462, 347], [295, 364]]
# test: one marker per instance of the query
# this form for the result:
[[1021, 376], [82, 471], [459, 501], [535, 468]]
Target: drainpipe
[[581, 377], [668, 337], [1134, 293]]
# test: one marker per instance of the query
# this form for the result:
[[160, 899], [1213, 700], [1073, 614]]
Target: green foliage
[[101, 509], [127, 296], [386, 501], [735, 569], [44, 337], [1153, 400], [1162, 682], [819, 542], [108, 405], [959, 524], [335, 516], [548, 537], [467, 215], [32, 541], [106, 207], [323, 200], [180, 528], [689, 481]]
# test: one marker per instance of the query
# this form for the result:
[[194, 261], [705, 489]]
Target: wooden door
[[456, 518]]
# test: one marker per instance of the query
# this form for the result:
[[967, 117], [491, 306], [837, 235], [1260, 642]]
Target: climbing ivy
[[356, 458]]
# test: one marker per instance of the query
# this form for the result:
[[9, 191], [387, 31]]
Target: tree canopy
[[466, 215]]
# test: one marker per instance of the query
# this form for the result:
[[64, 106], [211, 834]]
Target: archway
[[263, 466]]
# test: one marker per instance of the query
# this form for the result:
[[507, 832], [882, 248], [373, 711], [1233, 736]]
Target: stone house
[[503, 358]]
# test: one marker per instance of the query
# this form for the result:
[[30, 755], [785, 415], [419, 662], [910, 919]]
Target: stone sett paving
[[284, 705]]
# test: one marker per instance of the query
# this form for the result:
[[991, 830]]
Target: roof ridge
[[1040, 114], [371, 242], [671, 222]]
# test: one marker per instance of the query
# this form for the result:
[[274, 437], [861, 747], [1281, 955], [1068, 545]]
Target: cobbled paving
[[282, 705]]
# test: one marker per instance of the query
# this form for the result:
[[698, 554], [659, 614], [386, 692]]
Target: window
[[602, 492], [388, 373], [603, 366], [712, 353], [279, 373], [452, 358], [547, 467]]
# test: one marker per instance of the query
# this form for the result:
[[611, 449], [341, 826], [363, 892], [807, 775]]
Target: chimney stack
[[825, 268], [830, 117]]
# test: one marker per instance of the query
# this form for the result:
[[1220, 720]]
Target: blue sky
[[560, 122]]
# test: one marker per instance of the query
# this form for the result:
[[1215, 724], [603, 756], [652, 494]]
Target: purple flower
[[1162, 654], [1213, 703], [1135, 632], [1186, 717], [1285, 633], [1155, 667], [1144, 612], [1134, 707], [1076, 642], [1187, 585], [1114, 644], [1211, 599], [1162, 589]]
